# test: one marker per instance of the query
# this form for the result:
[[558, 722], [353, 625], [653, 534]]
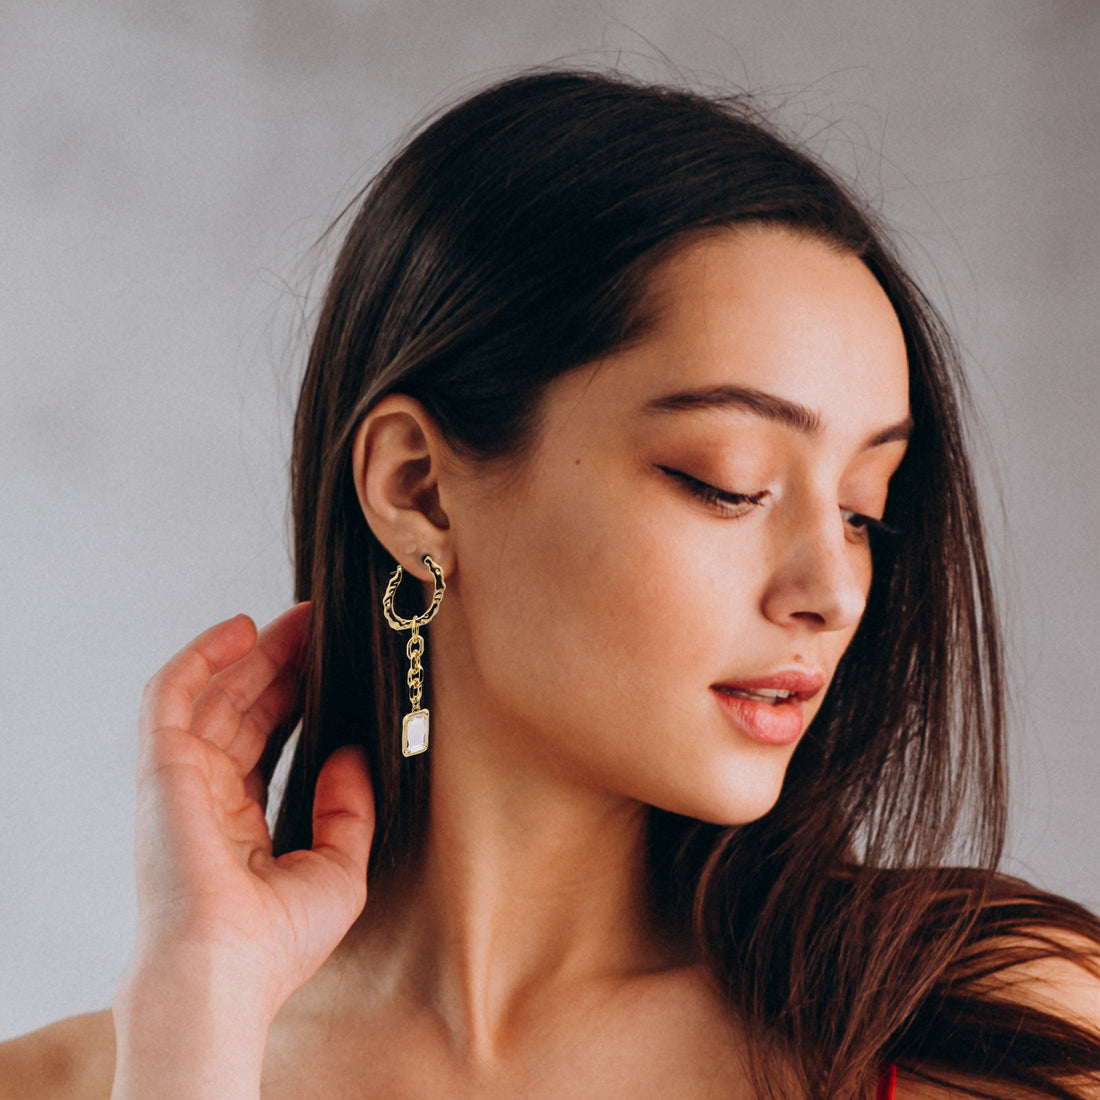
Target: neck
[[526, 885]]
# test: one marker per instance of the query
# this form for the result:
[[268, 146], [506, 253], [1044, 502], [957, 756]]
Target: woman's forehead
[[765, 316]]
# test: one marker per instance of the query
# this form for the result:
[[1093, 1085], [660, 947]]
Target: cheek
[[589, 607], [630, 582], [537, 580], [595, 576], [638, 604]]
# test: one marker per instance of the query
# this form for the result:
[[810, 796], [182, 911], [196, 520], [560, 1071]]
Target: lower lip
[[768, 723]]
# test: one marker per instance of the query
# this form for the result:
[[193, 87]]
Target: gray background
[[164, 171]]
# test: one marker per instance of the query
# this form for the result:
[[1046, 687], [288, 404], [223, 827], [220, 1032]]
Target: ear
[[396, 461]]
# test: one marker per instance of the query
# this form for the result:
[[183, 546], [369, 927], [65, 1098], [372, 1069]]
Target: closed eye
[[866, 526], [721, 499], [862, 526]]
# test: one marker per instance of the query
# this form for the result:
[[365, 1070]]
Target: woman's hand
[[225, 928]]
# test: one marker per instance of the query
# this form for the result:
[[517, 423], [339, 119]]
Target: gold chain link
[[415, 678]]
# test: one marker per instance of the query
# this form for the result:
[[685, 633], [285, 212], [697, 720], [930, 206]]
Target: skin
[[594, 599]]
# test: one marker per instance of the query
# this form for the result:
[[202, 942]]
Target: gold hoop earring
[[414, 726]]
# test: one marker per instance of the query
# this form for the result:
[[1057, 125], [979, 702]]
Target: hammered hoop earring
[[414, 726]]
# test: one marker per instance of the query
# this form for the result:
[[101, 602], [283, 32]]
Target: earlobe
[[396, 461]]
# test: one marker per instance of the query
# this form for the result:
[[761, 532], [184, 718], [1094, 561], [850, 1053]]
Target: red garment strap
[[887, 1083]]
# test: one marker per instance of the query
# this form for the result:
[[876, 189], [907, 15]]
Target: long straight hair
[[512, 240]]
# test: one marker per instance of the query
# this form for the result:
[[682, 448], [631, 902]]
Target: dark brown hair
[[512, 240]]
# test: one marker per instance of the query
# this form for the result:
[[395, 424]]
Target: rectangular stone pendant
[[414, 732]]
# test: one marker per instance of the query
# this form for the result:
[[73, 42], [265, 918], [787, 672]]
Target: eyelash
[[714, 496], [871, 528], [867, 526]]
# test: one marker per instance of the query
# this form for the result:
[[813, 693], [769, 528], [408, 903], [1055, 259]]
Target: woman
[[665, 799]]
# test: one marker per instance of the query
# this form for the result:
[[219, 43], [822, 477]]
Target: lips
[[769, 709]]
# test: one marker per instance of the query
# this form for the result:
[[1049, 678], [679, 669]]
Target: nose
[[820, 578]]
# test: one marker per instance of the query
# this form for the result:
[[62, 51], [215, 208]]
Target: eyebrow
[[769, 406]]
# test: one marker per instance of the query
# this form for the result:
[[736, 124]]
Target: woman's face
[[654, 605]]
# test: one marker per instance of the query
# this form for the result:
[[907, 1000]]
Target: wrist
[[186, 1029]]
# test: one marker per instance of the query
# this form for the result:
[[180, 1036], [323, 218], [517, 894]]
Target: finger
[[170, 695], [256, 788], [232, 714], [273, 705], [246, 745], [170, 704], [324, 889], [343, 812]]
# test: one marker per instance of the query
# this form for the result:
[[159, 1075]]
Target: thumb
[[343, 811]]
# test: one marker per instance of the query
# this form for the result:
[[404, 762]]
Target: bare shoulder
[[909, 1088], [73, 1058], [1065, 982], [1053, 970]]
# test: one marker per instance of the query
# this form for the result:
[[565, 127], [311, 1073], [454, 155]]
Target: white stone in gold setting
[[414, 732]]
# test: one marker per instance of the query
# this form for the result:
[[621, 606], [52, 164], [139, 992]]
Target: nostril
[[810, 616]]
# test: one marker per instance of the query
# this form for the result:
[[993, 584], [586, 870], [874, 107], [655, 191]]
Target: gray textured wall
[[164, 169]]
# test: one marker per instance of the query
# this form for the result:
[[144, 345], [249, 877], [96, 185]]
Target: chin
[[738, 802]]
